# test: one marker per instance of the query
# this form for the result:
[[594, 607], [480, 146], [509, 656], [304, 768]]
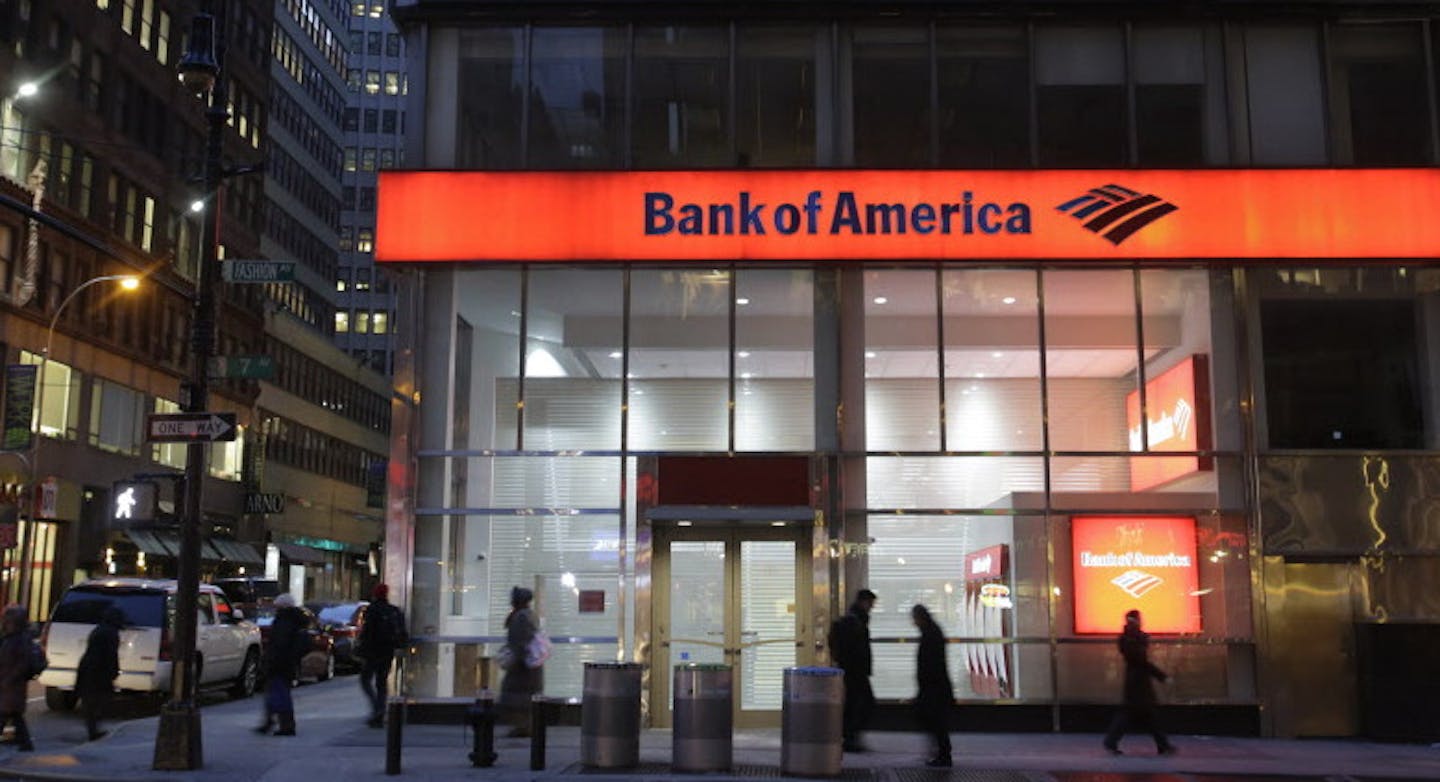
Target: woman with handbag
[[522, 662]]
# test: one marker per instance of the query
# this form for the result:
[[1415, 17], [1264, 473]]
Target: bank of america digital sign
[[1145, 563]]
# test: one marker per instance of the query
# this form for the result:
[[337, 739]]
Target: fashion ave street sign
[[838, 214]]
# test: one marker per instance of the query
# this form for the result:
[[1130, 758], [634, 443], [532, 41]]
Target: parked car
[[249, 593], [343, 622], [227, 646], [319, 660]]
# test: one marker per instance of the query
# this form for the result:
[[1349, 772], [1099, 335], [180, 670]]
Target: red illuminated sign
[[985, 564], [1140, 562], [834, 214], [1178, 405]]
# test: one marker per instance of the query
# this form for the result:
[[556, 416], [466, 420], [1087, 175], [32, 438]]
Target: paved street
[[333, 743]]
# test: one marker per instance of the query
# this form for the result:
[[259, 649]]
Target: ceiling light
[[869, 354], [746, 375], [881, 300], [979, 374], [197, 205], [996, 354], [615, 354], [742, 301], [28, 89], [1008, 300], [743, 354], [684, 523], [777, 523]]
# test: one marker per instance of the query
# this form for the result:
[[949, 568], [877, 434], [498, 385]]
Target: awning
[[166, 543], [304, 555], [237, 552], [149, 542]]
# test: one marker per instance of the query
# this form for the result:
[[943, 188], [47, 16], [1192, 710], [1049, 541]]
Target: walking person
[[15, 671], [287, 644], [1138, 711], [99, 665], [522, 680], [382, 634], [850, 649], [935, 695]]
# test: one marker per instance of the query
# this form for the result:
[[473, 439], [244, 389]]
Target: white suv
[[227, 647]]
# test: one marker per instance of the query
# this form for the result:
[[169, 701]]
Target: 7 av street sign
[[189, 427], [257, 271]]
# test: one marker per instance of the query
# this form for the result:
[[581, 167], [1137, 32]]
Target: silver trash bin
[[610, 715], [812, 723], [704, 713]]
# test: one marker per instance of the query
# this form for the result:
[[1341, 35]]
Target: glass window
[[116, 413], [1378, 105], [1170, 96], [984, 84], [392, 45], [362, 321], [902, 388], [890, 104], [380, 323], [373, 41], [992, 361], [365, 240], [342, 322], [573, 359], [372, 82], [1080, 96], [487, 356], [682, 85], [775, 90], [1285, 99], [367, 159], [1090, 358], [59, 413], [168, 454], [492, 91], [679, 359], [227, 458], [577, 97], [392, 82], [774, 360]]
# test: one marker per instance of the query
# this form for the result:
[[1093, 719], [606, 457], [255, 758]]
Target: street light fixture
[[128, 282], [28, 90], [177, 742]]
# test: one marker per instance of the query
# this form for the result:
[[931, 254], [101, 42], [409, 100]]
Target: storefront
[[696, 409]]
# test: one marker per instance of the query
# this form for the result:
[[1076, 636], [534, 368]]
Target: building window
[[372, 82], [61, 411], [349, 163], [168, 454], [362, 321], [392, 45], [984, 88], [358, 9], [227, 459], [340, 285], [362, 279], [387, 121], [1080, 96], [365, 241], [342, 322], [372, 120], [367, 159], [1377, 87], [373, 42], [891, 96], [116, 413], [379, 322], [162, 44], [392, 82]]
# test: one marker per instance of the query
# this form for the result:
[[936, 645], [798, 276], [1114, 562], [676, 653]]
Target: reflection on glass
[[492, 88], [767, 620], [1090, 356], [992, 361], [679, 359], [697, 603], [574, 318], [776, 87], [487, 358], [902, 389], [577, 97], [682, 83], [774, 360]]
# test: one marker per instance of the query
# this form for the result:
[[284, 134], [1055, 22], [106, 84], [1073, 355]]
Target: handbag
[[538, 650], [505, 658]]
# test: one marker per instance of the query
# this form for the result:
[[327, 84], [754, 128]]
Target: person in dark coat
[[95, 675], [286, 645], [15, 673], [1138, 711], [521, 680], [382, 634], [935, 694], [850, 649]]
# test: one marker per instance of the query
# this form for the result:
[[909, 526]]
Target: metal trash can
[[610, 715], [812, 723], [704, 714]]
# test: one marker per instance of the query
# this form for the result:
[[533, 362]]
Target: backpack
[[38, 661], [384, 628]]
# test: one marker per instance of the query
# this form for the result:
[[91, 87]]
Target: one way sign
[[189, 427]]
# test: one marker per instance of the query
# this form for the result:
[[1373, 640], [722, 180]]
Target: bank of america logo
[[1136, 583], [1116, 212]]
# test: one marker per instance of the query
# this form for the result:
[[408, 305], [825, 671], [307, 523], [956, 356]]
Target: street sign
[[19, 406], [260, 502], [249, 367], [189, 427], [257, 271]]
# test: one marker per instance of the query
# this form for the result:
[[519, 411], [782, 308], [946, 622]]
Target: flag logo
[[1116, 213], [1136, 583]]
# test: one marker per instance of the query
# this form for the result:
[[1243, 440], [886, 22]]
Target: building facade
[[1029, 314]]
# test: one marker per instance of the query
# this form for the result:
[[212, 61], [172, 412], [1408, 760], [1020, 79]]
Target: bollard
[[394, 722], [812, 722], [481, 716], [704, 714], [610, 715], [538, 721]]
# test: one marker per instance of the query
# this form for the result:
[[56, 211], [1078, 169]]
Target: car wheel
[[57, 699], [245, 683], [329, 672]]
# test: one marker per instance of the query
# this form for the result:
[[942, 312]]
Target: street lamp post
[[128, 282], [177, 743]]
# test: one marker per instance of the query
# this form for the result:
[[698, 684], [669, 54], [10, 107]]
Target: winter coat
[[935, 695], [1139, 671], [850, 642], [521, 681], [289, 641], [383, 631], [101, 662], [14, 671]]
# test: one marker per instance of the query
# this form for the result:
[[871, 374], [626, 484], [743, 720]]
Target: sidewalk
[[335, 745]]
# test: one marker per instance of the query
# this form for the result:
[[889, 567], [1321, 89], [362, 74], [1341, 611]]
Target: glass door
[[737, 595]]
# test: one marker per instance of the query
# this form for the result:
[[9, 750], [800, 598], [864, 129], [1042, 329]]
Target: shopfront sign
[[836, 214], [987, 563], [1146, 563], [1177, 405]]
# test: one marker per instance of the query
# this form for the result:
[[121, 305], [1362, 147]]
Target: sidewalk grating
[[743, 771], [962, 775]]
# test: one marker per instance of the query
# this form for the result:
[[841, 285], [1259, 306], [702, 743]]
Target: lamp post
[[127, 282], [177, 743]]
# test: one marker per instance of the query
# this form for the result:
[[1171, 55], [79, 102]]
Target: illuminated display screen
[[1178, 402], [1141, 562]]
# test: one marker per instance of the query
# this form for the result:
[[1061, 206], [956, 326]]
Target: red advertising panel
[[1141, 562], [834, 214], [1178, 406], [987, 563]]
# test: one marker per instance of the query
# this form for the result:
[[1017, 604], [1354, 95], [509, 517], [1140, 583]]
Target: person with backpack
[[382, 634], [849, 643], [95, 675], [17, 668]]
